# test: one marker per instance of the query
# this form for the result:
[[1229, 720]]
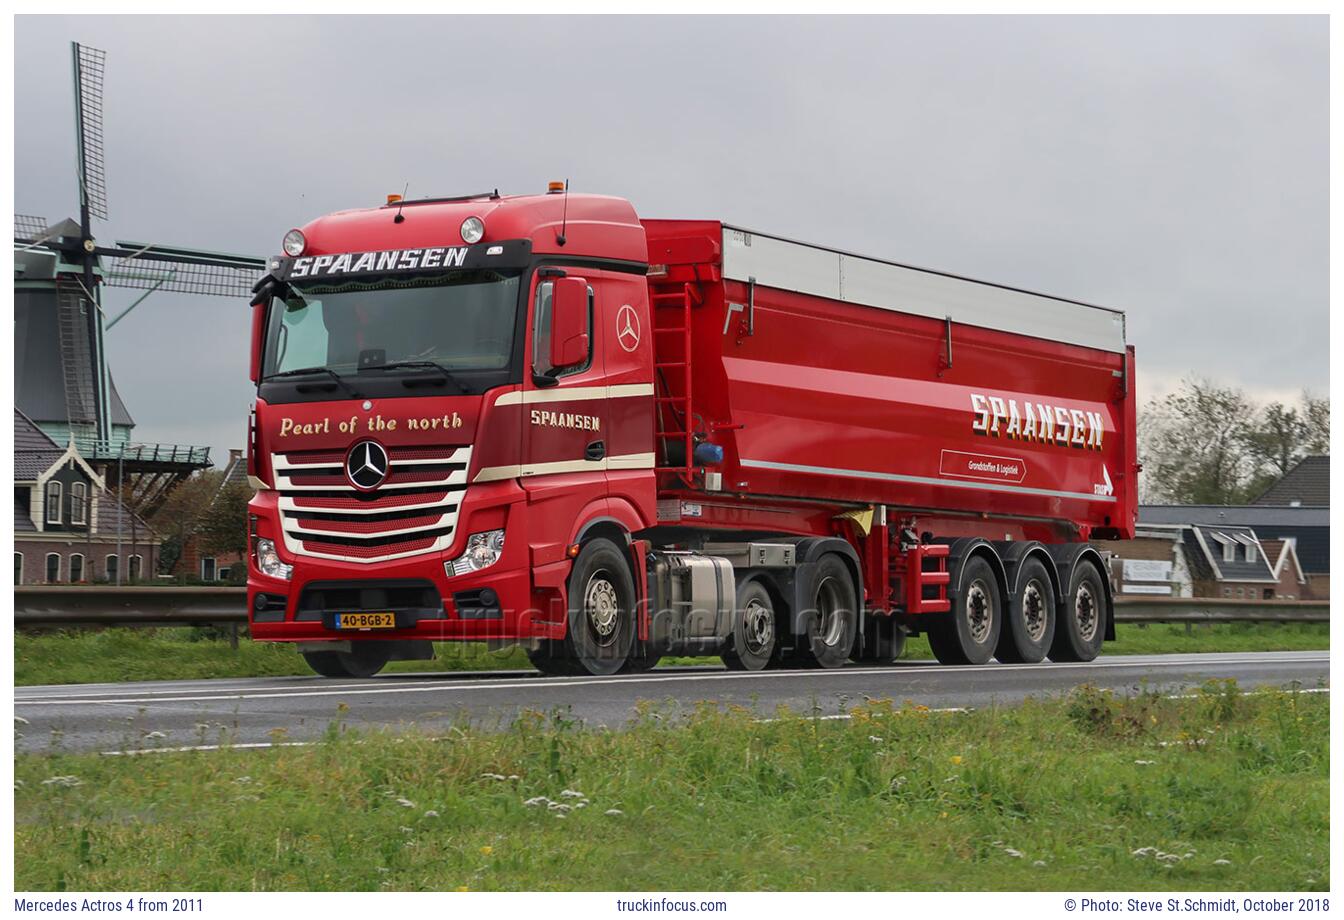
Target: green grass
[[1218, 792], [112, 655]]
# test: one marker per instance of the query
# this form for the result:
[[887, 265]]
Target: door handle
[[595, 451]]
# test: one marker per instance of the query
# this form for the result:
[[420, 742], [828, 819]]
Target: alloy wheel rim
[[758, 627], [602, 607], [979, 611], [1085, 612], [1034, 609]]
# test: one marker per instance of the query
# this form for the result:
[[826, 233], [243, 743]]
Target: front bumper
[[499, 602]]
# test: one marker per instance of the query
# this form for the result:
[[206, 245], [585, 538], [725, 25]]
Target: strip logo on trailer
[[1042, 422]]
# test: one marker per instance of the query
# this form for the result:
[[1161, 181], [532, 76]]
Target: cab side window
[[541, 335]]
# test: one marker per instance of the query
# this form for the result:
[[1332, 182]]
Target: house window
[[18, 568], [224, 573], [133, 566], [76, 567], [111, 567], [1250, 552], [207, 568], [1229, 551], [79, 493], [1227, 592], [53, 568], [1269, 594], [53, 503]]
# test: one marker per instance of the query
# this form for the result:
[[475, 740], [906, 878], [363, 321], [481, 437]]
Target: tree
[[181, 512], [1195, 451], [1276, 438], [1316, 423], [224, 525]]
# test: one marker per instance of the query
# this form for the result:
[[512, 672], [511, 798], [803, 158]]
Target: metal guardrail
[[59, 605], [1217, 610]]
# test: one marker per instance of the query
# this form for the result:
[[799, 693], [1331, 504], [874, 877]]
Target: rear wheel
[[831, 624], [755, 632], [1082, 624], [365, 660], [601, 609], [1030, 629], [969, 632], [883, 641]]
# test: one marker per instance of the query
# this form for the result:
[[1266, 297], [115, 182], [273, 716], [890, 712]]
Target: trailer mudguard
[[962, 549], [1015, 553], [1066, 556]]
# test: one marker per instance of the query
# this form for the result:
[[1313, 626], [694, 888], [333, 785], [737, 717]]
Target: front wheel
[[601, 609], [365, 660]]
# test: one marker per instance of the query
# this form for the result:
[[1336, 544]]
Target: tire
[[883, 641], [832, 621], [551, 658], [1082, 622], [755, 640], [366, 660], [969, 632], [642, 660], [601, 635], [1030, 628]]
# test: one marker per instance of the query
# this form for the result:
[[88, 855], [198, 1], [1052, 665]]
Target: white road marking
[[209, 695]]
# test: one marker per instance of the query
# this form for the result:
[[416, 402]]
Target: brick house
[[196, 562], [68, 528], [1152, 563], [1282, 558]]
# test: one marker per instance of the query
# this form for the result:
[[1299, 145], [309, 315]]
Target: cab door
[[565, 414]]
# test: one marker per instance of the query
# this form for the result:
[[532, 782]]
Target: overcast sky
[[1173, 167]]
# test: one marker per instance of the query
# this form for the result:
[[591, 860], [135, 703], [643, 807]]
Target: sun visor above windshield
[[509, 254]]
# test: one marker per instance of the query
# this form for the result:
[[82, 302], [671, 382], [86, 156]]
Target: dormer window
[[1229, 551], [53, 515], [79, 494]]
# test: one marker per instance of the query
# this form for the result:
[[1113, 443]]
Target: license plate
[[366, 621]]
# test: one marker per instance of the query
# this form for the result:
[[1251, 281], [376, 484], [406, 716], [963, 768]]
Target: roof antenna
[[401, 204], [564, 217]]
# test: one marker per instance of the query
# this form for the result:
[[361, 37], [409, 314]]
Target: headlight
[[295, 243], [268, 560], [483, 549], [472, 230]]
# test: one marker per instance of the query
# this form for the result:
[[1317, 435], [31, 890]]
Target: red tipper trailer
[[540, 420]]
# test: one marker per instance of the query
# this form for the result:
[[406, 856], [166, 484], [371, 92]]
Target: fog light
[[295, 243], [268, 560], [483, 550], [472, 230]]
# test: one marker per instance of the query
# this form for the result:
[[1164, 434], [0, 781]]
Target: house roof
[[1308, 483], [1281, 553], [114, 516], [1204, 550], [34, 451], [1308, 525], [23, 523]]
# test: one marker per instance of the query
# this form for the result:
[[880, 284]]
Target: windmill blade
[[89, 128], [186, 271], [28, 228]]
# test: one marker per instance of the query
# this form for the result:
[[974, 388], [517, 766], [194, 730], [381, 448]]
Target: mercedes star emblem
[[627, 327], [366, 465]]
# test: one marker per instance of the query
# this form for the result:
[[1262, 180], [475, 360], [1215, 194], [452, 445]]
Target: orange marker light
[[553, 187], [393, 199]]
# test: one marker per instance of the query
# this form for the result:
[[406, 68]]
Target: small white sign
[[1147, 570], [1145, 589]]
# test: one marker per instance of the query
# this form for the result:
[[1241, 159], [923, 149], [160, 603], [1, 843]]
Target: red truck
[[541, 420]]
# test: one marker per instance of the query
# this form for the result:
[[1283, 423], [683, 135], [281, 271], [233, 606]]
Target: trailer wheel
[[755, 630], [883, 641], [1082, 625], [1030, 629], [601, 609], [641, 660], [367, 659], [833, 620], [969, 632]]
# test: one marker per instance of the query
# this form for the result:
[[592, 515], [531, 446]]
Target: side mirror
[[258, 327], [569, 322]]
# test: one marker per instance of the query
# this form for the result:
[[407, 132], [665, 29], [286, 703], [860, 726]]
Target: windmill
[[60, 269]]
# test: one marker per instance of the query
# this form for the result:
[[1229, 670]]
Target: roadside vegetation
[[1216, 791], [183, 653]]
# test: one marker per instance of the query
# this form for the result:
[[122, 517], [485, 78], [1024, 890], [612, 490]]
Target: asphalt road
[[177, 714]]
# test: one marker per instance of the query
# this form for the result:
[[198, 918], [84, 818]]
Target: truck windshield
[[458, 320]]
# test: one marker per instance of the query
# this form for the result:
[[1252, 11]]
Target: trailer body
[[745, 411]]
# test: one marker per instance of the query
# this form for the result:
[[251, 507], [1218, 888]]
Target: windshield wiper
[[309, 371], [434, 365]]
